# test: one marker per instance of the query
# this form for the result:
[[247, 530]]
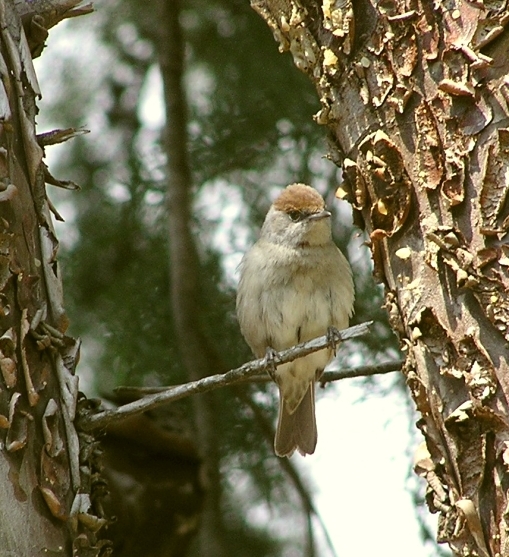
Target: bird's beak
[[321, 215]]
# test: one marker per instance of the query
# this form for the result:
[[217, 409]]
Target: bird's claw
[[333, 336], [270, 362]]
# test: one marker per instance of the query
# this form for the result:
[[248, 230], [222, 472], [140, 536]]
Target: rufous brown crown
[[299, 197]]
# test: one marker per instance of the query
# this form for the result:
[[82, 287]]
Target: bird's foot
[[270, 362], [333, 336]]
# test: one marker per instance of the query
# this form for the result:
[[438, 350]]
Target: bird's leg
[[333, 336], [270, 362], [318, 378]]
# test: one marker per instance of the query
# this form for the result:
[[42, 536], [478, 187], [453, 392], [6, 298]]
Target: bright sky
[[360, 468]]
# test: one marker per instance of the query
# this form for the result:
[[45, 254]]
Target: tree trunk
[[198, 356], [416, 102], [44, 496]]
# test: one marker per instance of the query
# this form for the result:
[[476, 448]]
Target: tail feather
[[298, 429]]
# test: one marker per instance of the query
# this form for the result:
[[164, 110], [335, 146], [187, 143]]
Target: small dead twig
[[327, 377], [360, 371], [89, 422]]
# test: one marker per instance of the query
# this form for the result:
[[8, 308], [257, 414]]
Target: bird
[[294, 285]]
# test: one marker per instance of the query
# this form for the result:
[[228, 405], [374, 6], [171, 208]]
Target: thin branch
[[90, 422], [327, 377], [361, 371]]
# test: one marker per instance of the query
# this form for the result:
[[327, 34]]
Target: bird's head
[[298, 218]]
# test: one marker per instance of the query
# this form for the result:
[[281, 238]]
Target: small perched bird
[[295, 285]]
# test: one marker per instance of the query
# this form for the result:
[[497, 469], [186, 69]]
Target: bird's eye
[[296, 216]]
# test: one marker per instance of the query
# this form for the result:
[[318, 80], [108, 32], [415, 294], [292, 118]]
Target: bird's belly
[[295, 313]]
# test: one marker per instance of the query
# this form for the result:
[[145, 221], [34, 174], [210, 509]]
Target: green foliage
[[252, 88]]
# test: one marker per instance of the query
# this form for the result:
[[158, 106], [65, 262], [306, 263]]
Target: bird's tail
[[298, 429]]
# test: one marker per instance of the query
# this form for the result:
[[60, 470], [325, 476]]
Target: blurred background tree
[[250, 132]]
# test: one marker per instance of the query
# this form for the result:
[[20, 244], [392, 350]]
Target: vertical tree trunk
[[198, 356], [40, 476], [416, 100]]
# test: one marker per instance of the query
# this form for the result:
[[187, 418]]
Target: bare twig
[[327, 377], [102, 419], [361, 371]]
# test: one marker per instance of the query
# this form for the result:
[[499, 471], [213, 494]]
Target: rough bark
[[415, 96], [44, 487]]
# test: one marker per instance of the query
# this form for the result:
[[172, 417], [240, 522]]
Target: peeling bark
[[45, 491], [416, 98]]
